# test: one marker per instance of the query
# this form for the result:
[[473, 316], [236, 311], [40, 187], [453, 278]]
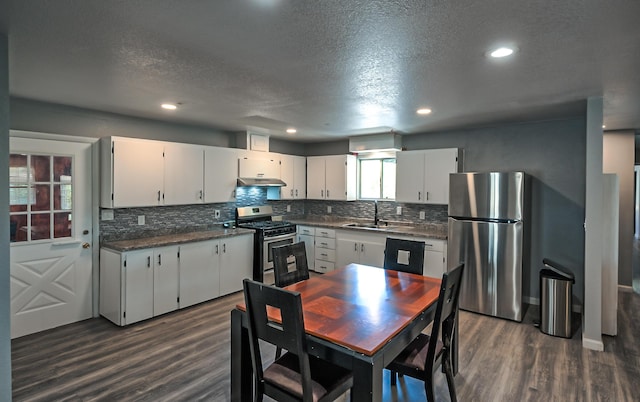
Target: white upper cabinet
[[331, 177], [131, 172], [220, 174], [257, 167], [183, 174], [423, 176], [293, 171]]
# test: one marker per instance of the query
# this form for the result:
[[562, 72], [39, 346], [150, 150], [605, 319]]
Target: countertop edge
[[173, 239], [403, 230]]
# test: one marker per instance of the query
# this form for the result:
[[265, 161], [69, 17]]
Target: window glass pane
[[62, 224], [18, 198], [62, 197], [62, 169], [18, 169], [40, 226], [389, 178], [18, 228], [370, 175], [41, 168], [41, 201]]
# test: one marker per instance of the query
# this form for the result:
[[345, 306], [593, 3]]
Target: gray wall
[[552, 153], [618, 152], [51, 118], [5, 319]]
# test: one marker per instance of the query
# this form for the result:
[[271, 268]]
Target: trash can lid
[[558, 269]]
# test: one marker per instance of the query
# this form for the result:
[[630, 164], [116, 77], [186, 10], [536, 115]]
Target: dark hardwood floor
[[184, 356]]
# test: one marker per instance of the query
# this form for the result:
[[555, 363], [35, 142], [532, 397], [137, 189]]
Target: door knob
[[86, 245]]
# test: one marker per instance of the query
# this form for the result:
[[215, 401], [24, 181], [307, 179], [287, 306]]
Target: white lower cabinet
[[236, 262], [325, 250], [360, 248], [435, 256], [140, 284], [306, 234]]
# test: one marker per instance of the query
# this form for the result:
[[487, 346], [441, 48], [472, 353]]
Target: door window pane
[[62, 169], [40, 226], [62, 224], [18, 169], [18, 228], [18, 198], [41, 168], [62, 197], [42, 202]]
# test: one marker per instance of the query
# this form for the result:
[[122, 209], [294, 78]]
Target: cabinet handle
[[224, 247], [296, 192], [148, 261], [419, 195], [292, 192], [355, 246], [327, 193], [217, 249], [427, 196], [159, 259], [200, 194], [362, 248], [321, 193]]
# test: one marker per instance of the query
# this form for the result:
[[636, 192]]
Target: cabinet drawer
[[433, 245], [324, 266], [322, 232], [325, 254], [323, 242], [306, 230]]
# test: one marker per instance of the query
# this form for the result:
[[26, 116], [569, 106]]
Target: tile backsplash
[[188, 218]]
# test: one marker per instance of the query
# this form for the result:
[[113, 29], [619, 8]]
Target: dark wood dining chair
[[296, 376], [427, 353], [404, 255], [290, 264]]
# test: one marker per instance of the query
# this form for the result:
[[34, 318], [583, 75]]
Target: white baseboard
[[593, 344]]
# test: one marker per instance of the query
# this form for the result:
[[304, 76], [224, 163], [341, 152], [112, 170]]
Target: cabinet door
[[315, 178], [138, 285], [299, 177], [347, 252], [372, 253], [336, 177], [165, 279], [410, 176], [236, 262], [183, 174], [199, 272], [309, 248], [220, 174], [137, 172], [439, 163], [287, 175]]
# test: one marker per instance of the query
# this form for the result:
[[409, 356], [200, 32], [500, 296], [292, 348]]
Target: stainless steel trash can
[[556, 294]]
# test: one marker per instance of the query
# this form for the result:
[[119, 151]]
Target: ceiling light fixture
[[292, 130], [169, 106], [603, 126], [424, 110], [501, 52]]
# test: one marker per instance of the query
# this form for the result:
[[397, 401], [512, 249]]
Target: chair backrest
[[290, 264], [445, 317], [289, 334], [404, 255]]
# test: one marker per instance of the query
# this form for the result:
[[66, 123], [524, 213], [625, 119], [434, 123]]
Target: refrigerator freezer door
[[492, 195], [492, 254]]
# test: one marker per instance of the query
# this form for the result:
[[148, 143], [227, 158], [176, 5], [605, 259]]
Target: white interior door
[[51, 234]]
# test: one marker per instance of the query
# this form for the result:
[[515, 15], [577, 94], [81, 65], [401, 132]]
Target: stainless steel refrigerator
[[486, 230]]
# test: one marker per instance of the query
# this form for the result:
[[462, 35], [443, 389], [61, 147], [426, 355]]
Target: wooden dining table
[[359, 317]]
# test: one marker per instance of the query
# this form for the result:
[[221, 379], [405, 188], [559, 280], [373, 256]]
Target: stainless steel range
[[269, 234]]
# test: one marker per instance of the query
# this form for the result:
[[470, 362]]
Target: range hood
[[260, 181]]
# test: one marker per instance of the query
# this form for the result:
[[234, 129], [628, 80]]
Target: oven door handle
[[283, 236]]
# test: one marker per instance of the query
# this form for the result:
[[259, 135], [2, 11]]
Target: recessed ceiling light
[[424, 110], [169, 106], [603, 126], [501, 52], [292, 130]]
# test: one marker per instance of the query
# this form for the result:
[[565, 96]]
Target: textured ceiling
[[330, 68]]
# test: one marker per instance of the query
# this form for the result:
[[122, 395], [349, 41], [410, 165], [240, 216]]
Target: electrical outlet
[[216, 213], [422, 215], [141, 220], [328, 209], [398, 210], [107, 214], [288, 208]]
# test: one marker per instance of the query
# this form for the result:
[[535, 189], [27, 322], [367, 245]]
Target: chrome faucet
[[375, 212]]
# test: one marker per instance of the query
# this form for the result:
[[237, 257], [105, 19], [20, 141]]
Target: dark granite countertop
[[429, 230], [167, 240]]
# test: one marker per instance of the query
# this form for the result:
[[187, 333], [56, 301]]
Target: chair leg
[[278, 352], [393, 378], [448, 371], [428, 388]]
